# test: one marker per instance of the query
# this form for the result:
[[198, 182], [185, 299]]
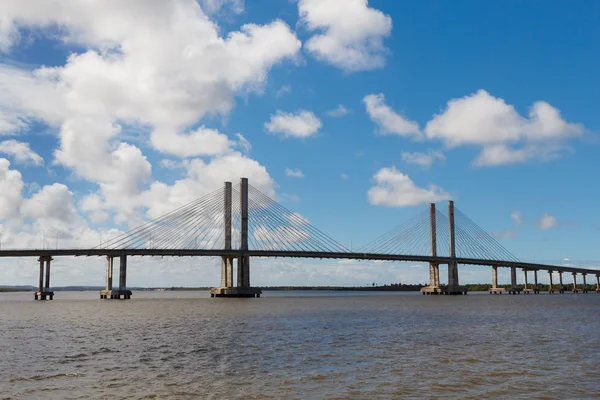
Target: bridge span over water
[[257, 226]]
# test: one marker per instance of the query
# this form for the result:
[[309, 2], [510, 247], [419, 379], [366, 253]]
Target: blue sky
[[111, 114]]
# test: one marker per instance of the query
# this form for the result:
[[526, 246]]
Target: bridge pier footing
[[514, 289], [434, 281], [495, 289], [44, 292], [236, 292], [561, 288], [43, 296], [536, 287], [116, 294]]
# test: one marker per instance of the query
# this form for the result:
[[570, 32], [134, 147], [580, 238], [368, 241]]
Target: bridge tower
[[243, 288], [434, 268], [453, 284]]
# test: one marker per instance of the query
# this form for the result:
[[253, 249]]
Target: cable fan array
[[273, 227], [197, 225], [474, 242], [200, 225], [413, 237]]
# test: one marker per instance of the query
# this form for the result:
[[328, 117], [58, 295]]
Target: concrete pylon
[[227, 261], [536, 287], [453, 282], [495, 289], [242, 288], [597, 283], [550, 287], [434, 268], [109, 292], [109, 272], [561, 288], [44, 291], [514, 289], [244, 268], [525, 288], [575, 290], [585, 288]]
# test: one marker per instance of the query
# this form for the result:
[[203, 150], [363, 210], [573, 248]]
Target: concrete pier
[[44, 292], [561, 288], [495, 289], [121, 292], [434, 269], [526, 289], [243, 288], [575, 289], [585, 286], [550, 287], [536, 287], [514, 289], [597, 283]]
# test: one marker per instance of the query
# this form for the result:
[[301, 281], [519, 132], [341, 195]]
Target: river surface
[[300, 345]]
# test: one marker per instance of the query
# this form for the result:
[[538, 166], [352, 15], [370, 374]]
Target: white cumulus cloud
[[350, 33], [424, 160], [11, 187], [294, 173], [337, 112], [388, 121], [395, 189], [506, 234], [546, 221], [517, 217], [505, 136], [300, 124], [54, 202], [21, 151], [214, 6], [154, 68]]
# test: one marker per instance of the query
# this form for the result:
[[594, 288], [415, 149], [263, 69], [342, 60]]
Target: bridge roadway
[[288, 254]]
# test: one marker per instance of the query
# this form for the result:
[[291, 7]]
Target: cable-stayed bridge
[[238, 222]]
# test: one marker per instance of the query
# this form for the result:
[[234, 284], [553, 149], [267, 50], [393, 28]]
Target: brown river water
[[300, 345]]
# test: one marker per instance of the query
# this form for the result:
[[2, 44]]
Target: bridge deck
[[287, 254]]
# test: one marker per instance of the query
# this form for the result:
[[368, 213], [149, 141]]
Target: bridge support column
[[561, 288], [597, 283], [121, 292], [434, 280], [453, 282], [536, 287], [44, 291], [108, 292], [229, 272], [495, 289], [514, 289], [525, 289], [550, 287], [243, 288], [224, 271], [575, 290], [585, 286]]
